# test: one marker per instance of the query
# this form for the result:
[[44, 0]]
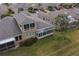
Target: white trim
[[45, 35], [45, 28], [7, 40]]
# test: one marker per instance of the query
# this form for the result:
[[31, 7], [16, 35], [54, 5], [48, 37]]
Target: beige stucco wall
[[28, 33]]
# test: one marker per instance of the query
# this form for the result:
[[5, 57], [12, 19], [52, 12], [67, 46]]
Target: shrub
[[4, 15], [50, 8], [31, 10]]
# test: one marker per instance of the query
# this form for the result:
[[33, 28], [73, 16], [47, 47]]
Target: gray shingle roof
[[22, 19], [41, 25], [8, 28]]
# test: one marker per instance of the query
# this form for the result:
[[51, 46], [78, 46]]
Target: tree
[[31, 10], [61, 22], [67, 6]]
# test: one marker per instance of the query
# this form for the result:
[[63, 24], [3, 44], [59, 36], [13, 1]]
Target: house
[[24, 25], [72, 21], [20, 7], [45, 16], [20, 27]]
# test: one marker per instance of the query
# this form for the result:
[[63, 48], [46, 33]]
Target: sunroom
[[44, 30], [7, 44]]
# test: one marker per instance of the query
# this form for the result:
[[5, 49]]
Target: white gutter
[[7, 40]]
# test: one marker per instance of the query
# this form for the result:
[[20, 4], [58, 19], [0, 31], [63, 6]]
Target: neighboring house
[[20, 7], [43, 16], [24, 6], [72, 21], [3, 9], [72, 14]]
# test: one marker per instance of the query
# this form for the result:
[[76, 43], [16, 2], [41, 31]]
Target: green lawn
[[52, 45]]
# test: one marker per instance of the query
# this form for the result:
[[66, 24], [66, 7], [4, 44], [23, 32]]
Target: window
[[26, 26], [44, 33], [33, 33], [43, 18], [40, 34], [11, 46], [10, 11], [6, 46], [10, 43], [2, 46], [18, 38], [50, 31], [20, 9], [32, 25]]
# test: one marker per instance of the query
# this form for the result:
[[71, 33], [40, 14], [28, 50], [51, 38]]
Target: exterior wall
[[28, 34], [25, 35], [45, 36]]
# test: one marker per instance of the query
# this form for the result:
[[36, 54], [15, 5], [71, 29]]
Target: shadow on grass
[[29, 42]]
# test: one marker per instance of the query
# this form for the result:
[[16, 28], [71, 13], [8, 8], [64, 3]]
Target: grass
[[52, 45]]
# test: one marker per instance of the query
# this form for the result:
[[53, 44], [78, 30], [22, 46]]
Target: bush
[[50, 8], [4, 15], [31, 10]]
